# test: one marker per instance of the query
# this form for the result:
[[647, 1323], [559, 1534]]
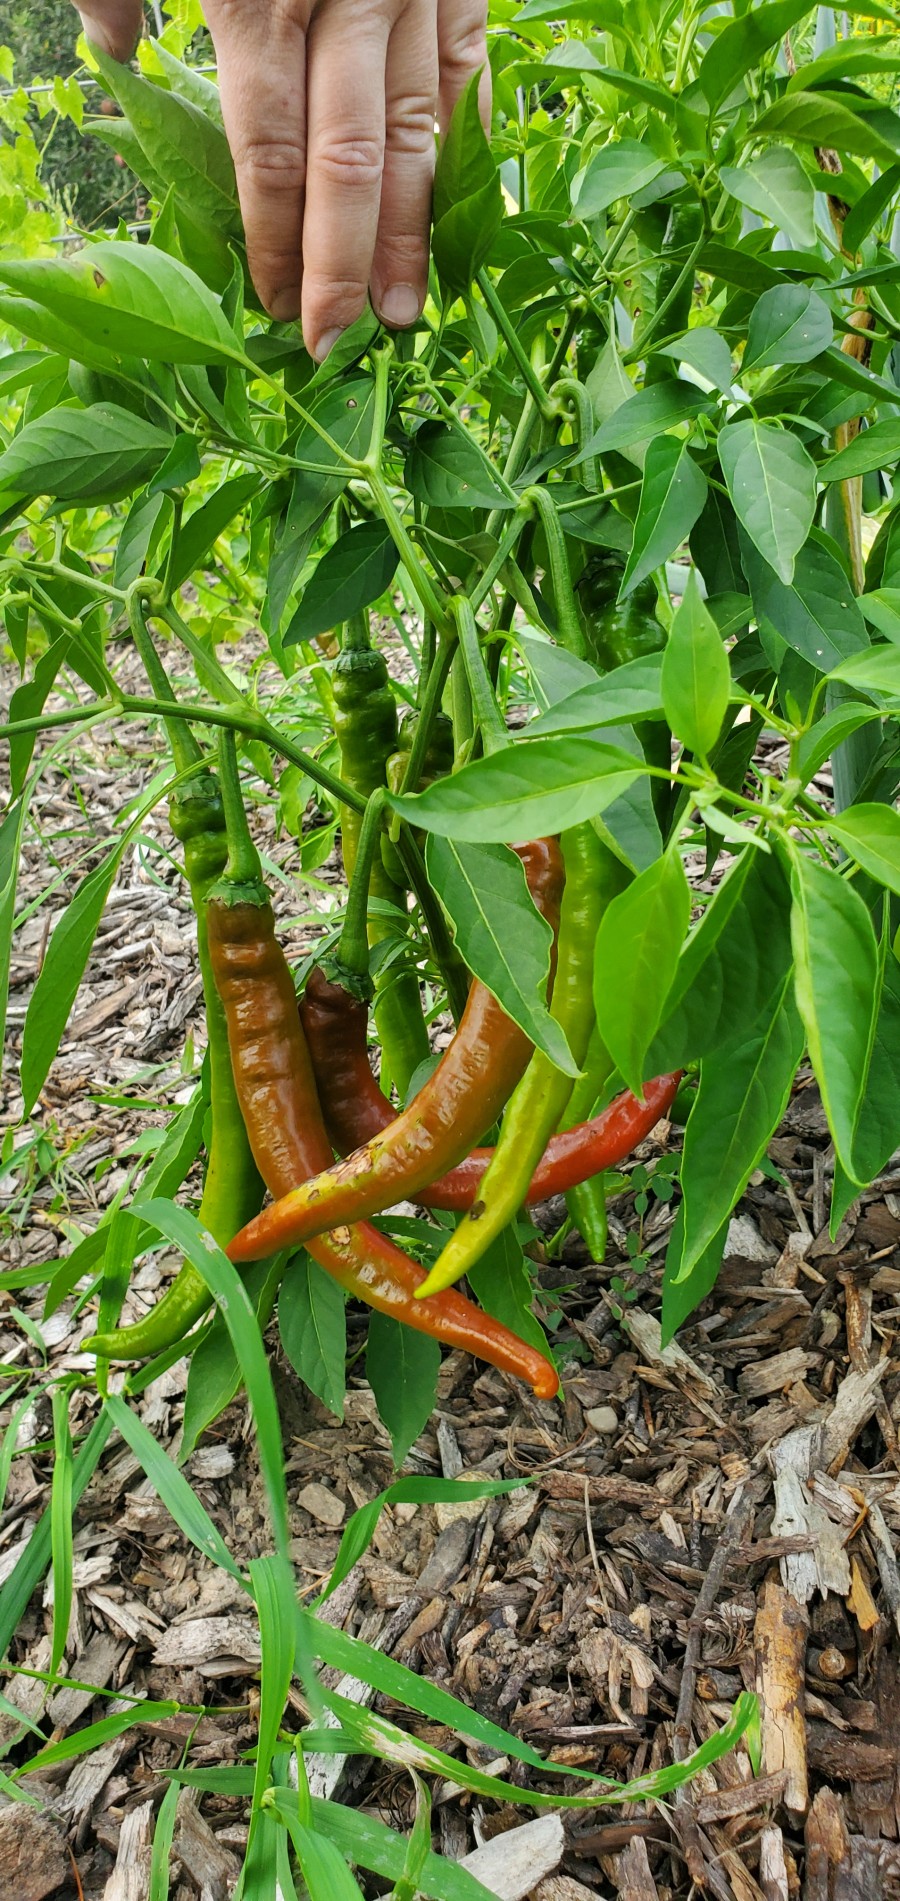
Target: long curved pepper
[[465, 1094], [276, 1090]]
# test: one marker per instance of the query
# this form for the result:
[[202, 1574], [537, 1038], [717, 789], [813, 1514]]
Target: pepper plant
[[625, 494]]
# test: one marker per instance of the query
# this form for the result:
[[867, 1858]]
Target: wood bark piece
[[885, 1558], [856, 1400], [33, 1858], [562, 1888], [636, 1881], [773, 1874], [781, 1631], [646, 1333], [212, 1867], [510, 1865], [826, 1565], [130, 1878], [839, 1866]]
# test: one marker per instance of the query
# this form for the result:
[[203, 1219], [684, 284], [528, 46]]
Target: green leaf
[[530, 789], [776, 187], [706, 350], [61, 1527], [326, 1876], [789, 324], [741, 45], [360, 1529], [136, 537], [628, 693], [772, 484], [201, 530], [26, 702], [870, 834], [402, 1368], [824, 118], [30, 1567], [445, 469], [171, 1486], [500, 934], [468, 201], [313, 1328], [465, 161], [463, 239], [869, 208], [836, 960], [163, 1836], [232, 1301], [744, 1089], [60, 975], [609, 387], [503, 1286], [554, 672], [82, 455], [129, 298], [680, 1297], [648, 413], [816, 613], [636, 957], [673, 493], [878, 1126], [817, 746], [876, 671], [732, 963], [621, 169], [214, 1375], [874, 448], [183, 145], [354, 572], [272, 1584], [180, 468], [83, 1742], [696, 678]]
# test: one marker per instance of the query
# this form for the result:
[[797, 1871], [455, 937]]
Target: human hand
[[330, 109]]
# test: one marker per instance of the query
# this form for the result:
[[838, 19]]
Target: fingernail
[[400, 305], [285, 305], [326, 342]]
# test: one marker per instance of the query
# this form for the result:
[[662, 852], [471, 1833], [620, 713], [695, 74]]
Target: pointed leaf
[[636, 957], [537, 787], [673, 493], [500, 934], [836, 984], [313, 1328], [125, 298], [98, 454], [696, 678], [353, 573], [772, 483], [402, 1367]]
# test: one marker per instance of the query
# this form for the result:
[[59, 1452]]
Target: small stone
[[603, 1419], [322, 1505]]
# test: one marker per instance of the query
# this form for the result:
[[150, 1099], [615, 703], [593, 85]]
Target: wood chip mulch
[[719, 1515]]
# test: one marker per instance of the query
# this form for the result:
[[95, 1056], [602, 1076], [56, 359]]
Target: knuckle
[[350, 160], [463, 52], [276, 164], [411, 129]]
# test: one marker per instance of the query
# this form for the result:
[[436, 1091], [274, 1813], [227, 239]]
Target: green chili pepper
[[682, 231], [365, 719], [536, 1105]]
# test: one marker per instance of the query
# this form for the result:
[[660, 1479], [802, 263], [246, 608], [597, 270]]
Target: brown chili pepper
[[460, 1100], [276, 1090]]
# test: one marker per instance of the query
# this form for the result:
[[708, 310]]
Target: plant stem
[[491, 573], [353, 949], [379, 420], [431, 706], [185, 750], [513, 342], [243, 865], [400, 536], [488, 717]]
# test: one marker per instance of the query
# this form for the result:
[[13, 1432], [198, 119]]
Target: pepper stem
[[185, 750], [353, 949], [356, 637], [488, 717], [243, 867]]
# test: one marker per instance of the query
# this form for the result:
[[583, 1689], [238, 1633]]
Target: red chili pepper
[[277, 1094], [355, 1109], [465, 1094]]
